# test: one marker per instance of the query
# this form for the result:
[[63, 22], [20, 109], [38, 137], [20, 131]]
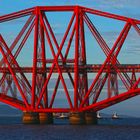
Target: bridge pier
[[30, 118], [91, 117], [37, 118], [45, 118], [78, 118]]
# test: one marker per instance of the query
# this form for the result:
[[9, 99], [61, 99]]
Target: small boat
[[99, 115], [56, 115], [115, 116], [63, 116]]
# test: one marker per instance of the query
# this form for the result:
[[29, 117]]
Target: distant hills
[[6, 110]]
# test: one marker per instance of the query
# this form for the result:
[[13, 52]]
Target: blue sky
[[124, 7], [109, 31], [128, 8]]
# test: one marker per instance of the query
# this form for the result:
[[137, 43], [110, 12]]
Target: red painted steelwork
[[34, 95]]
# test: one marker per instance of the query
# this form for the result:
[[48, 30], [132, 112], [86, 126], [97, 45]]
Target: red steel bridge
[[26, 87]]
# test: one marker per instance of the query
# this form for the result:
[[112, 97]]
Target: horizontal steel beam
[[82, 68], [26, 12], [16, 15], [110, 15]]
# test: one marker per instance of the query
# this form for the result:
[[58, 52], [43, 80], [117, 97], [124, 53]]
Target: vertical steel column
[[35, 58], [44, 62], [109, 85], [83, 56], [76, 59]]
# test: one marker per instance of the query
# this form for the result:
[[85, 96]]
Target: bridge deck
[[70, 68]]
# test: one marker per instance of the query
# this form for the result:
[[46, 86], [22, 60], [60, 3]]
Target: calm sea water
[[11, 128]]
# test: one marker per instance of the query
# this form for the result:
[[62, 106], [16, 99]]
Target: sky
[[123, 7], [131, 51], [109, 31]]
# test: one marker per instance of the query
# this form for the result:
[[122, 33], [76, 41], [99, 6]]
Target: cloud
[[132, 42], [131, 14], [129, 8], [133, 48], [119, 3]]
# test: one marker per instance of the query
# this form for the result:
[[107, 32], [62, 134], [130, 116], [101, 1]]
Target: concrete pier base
[[30, 118], [77, 118], [46, 118], [91, 118]]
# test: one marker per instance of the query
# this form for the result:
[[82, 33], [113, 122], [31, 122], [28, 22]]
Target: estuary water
[[11, 128]]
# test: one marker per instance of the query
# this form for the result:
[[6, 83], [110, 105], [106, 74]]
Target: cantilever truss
[[32, 93]]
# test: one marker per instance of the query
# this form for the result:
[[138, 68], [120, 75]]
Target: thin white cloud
[[119, 4]]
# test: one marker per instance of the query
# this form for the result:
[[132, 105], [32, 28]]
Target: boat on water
[[115, 116], [56, 115], [99, 115], [63, 116]]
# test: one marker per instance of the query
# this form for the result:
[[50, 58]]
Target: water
[[11, 128]]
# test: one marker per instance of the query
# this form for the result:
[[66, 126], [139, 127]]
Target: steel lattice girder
[[76, 69]]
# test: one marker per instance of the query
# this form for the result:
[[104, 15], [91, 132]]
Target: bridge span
[[25, 86]]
